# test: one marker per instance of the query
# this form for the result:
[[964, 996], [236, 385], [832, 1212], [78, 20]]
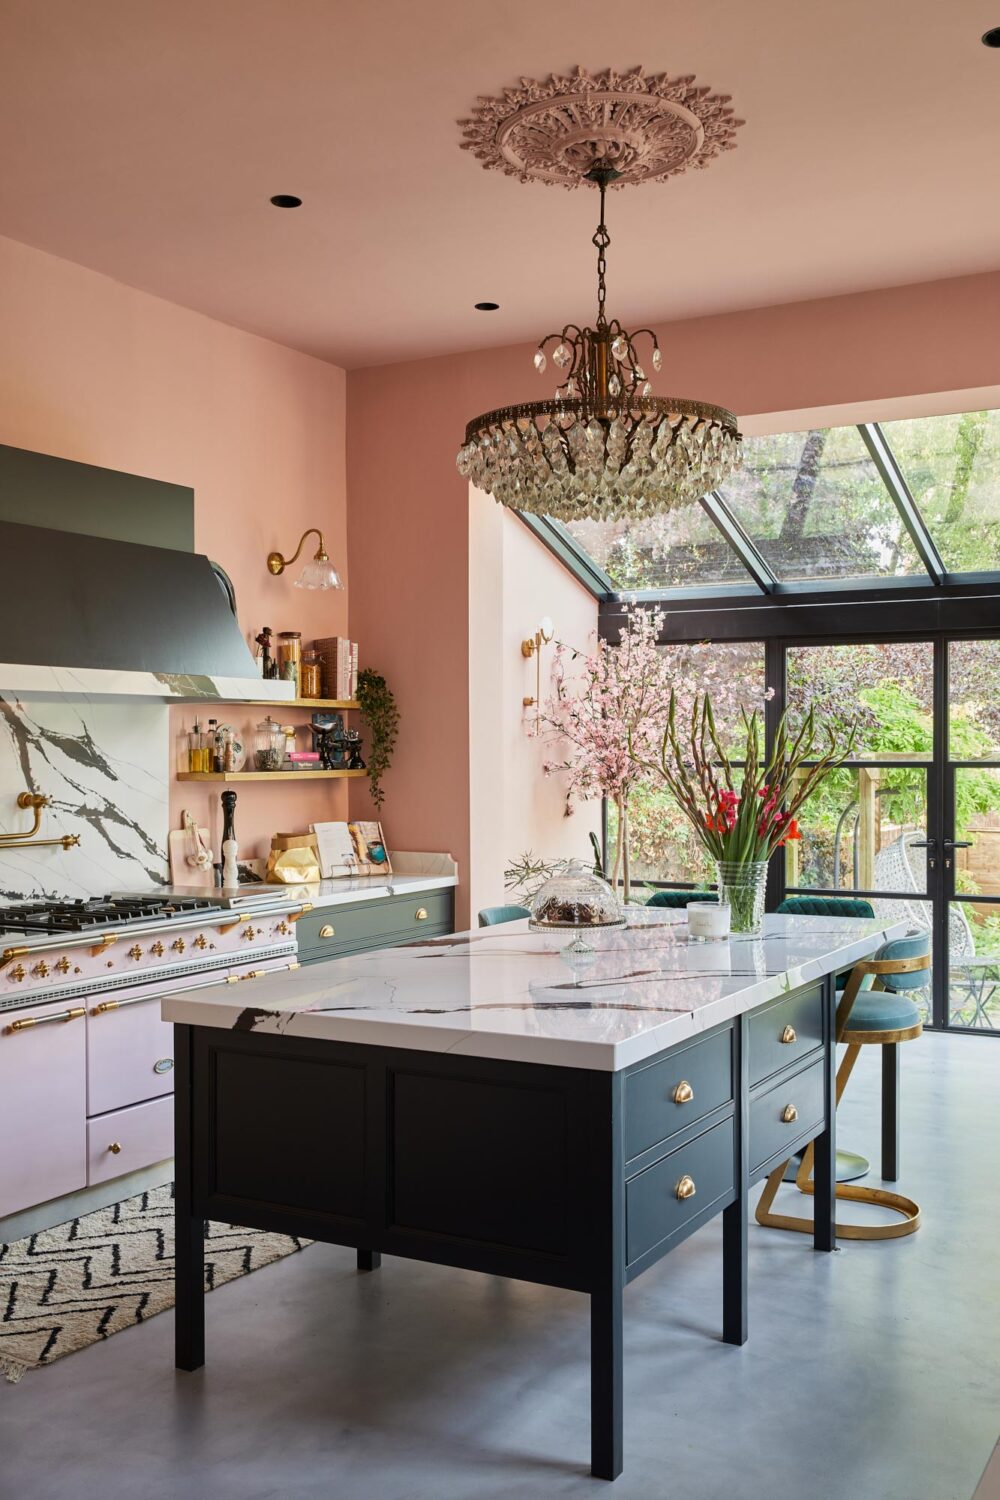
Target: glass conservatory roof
[[915, 501]]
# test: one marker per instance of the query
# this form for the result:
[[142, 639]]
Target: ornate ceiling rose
[[604, 445], [647, 126]]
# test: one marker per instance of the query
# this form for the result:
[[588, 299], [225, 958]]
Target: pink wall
[[95, 371], [409, 532]]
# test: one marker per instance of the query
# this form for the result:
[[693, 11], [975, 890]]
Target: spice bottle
[[310, 674]]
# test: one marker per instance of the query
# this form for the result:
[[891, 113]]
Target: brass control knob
[[683, 1093], [157, 949], [178, 945], [201, 941], [789, 1114], [115, 1147], [41, 970], [135, 952], [685, 1188]]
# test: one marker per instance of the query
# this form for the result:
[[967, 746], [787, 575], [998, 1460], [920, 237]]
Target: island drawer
[[332, 931], [127, 1139], [668, 1095], [785, 1032], [787, 1112], [664, 1198]]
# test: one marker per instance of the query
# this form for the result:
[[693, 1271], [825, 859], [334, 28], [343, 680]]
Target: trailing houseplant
[[378, 708], [743, 807]]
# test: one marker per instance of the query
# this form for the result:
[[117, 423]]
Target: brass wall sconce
[[318, 573], [532, 647], [26, 840]]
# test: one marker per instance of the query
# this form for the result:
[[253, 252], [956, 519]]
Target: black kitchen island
[[481, 1101]]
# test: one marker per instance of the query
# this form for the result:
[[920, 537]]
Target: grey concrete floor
[[871, 1374]]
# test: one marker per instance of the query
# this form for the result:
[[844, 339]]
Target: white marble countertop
[[508, 993]]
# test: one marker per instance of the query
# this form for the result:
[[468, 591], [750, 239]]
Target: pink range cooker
[[85, 1060]]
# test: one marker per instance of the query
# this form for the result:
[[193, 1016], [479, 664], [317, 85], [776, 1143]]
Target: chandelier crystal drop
[[605, 446]]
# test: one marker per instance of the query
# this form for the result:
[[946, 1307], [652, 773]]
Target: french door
[[912, 822]]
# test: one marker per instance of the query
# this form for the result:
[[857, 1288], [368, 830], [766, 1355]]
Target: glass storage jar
[[310, 675], [268, 745], [290, 656]]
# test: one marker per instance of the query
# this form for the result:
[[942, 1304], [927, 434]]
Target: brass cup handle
[[685, 1188], [683, 1093], [420, 914], [788, 1035], [789, 1114], [327, 931], [115, 1147]]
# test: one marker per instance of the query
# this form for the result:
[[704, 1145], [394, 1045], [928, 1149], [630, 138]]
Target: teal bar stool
[[492, 916], [680, 898], [850, 1164], [884, 1015]]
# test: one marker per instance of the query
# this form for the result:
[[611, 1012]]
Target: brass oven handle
[[295, 915], [789, 1114], [104, 1006], [421, 914], [326, 931], [250, 974], [62, 1015], [788, 1035], [685, 1188], [683, 1093]]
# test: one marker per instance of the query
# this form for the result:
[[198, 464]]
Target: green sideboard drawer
[[669, 1095], [785, 1032], [786, 1113], [356, 927], [663, 1199]]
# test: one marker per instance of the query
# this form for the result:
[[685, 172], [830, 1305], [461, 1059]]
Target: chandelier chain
[[601, 240]]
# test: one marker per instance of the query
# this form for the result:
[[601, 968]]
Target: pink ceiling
[[145, 140]]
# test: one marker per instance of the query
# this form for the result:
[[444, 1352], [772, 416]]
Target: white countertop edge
[[594, 1056]]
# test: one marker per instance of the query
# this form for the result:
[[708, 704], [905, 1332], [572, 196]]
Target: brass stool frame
[[850, 1192]]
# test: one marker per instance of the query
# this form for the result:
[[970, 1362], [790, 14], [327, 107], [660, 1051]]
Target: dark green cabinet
[[385, 922]]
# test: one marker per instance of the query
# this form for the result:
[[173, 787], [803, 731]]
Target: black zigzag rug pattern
[[93, 1276]]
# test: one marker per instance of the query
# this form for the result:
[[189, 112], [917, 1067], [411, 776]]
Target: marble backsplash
[[104, 764]]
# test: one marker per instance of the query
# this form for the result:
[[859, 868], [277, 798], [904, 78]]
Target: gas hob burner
[[103, 911]]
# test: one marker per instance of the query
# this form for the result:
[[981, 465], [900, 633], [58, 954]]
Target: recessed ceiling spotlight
[[487, 307], [286, 200], [991, 38]]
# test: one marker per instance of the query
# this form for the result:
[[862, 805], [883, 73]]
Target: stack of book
[[340, 666]]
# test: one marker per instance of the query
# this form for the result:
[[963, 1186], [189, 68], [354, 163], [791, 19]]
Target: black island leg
[[825, 1160], [736, 1218], [890, 1111], [189, 1230], [606, 1444], [369, 1260]]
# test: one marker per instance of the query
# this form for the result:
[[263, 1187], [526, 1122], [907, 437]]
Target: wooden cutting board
[[181, 873]]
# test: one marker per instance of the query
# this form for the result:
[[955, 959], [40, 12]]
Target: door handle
[[923, 844], [958, 843]]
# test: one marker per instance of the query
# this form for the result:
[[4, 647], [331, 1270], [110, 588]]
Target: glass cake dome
[[575, 898]]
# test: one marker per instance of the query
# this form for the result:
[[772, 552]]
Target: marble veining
[[104, 766], [509, 993]]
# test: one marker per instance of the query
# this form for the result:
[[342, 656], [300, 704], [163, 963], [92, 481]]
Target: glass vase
[[743, 886]]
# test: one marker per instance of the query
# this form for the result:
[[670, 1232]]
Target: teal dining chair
[[492, 916], [680, 898], [884, 1015]]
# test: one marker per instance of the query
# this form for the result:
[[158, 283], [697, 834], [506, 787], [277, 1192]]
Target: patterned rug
[[91, 1277]]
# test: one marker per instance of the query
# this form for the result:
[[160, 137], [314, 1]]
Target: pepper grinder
[[230, 869]]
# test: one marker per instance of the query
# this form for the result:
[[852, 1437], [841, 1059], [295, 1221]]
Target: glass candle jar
[[310, 675], [290, 656]]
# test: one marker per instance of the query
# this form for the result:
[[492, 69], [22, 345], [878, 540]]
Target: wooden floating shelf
[[282, 702], [265, 775]]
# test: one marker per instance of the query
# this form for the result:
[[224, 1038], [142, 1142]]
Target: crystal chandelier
[[605, 446]]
